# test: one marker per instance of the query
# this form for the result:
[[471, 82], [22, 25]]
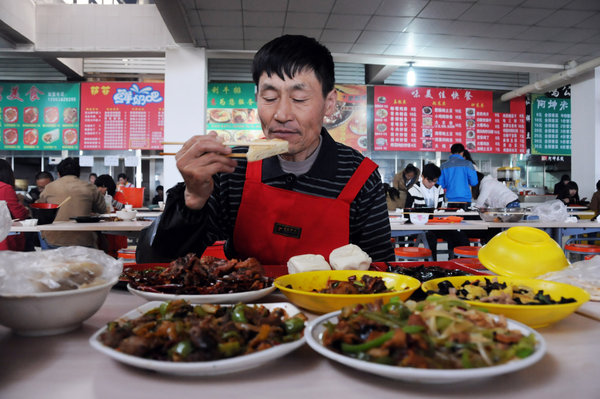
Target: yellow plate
[[304, 283], [535, 316], [522, 251]]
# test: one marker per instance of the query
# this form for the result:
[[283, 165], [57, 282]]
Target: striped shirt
[[182, 230], [417, 194]]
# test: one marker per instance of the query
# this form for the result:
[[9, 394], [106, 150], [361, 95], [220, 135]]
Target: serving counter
[[66, 366]]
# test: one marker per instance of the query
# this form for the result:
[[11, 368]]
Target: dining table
[[66, 366]]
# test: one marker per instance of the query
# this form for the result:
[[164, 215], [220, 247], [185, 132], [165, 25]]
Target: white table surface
[[72, 225], [65, 366]]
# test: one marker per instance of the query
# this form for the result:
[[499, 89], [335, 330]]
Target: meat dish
[[366, 285]]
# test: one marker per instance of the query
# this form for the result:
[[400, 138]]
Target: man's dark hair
[[123, 175], [431, 171], [6, 173], [290, 54], [572, 186], [108, 182], [598, 185], [68, 166], [44, 175], [410, 168], [565, 178], [161, 188], [457, 148]]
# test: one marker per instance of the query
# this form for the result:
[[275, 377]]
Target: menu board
[[39, 116], [122, 115], [231, 111], [432, 119], [550, 125], [348, 124]]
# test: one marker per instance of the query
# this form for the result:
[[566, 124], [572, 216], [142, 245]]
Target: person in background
[[41, 180], [123, 180], [92, 178], [107, 187], [490, 193], [160, 194], [561, 186], [595, 202], [15, 242], [468, 157], [570, 196], [457, 176], [428, 194], [318, 196], [85, 200], [392, 197], [403, 181]]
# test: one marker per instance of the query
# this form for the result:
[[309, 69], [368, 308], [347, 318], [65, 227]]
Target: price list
[[550, 125], [118, 116], [432, 119]]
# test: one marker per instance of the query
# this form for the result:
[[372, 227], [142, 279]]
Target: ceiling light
[[411, 76]]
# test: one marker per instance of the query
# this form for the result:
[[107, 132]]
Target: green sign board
[[232, 111], [550, 125], [39, 116]]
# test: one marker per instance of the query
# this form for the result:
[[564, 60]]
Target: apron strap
[[358, 179], [254, 171]]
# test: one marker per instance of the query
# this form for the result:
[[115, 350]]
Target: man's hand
[[198, 160]]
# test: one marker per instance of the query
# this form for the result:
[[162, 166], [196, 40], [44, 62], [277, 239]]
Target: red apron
[[274, 224]]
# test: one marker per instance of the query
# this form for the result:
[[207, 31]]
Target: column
[[185, 101]]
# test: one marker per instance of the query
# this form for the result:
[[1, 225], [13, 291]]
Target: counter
[[66, 366]]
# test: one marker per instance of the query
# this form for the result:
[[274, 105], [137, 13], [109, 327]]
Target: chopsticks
[[236, 155], [229, 143]]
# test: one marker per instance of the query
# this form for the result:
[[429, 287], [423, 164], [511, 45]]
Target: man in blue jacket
[[458, 174]]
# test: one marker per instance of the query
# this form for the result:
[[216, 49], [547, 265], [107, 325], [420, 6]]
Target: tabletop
[[66, 366], [71, 225]]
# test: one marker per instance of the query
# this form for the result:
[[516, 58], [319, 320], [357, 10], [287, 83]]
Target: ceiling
[[509, 32]]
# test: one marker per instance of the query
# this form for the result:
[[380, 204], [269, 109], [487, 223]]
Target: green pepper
[[293, 325], [465, 360], [230, 334], [238, 315], [230, 348], [181, 349], [412, 329], [199, 311], [365, 346], [163, 308]]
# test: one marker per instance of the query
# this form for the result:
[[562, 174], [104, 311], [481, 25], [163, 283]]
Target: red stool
[[466, 251], [580, 250], [413, 253], [476, 242]]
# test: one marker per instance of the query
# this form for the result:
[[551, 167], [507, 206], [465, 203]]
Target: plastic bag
[[551, 211], [5, 221], [56, 270], [584, 274]]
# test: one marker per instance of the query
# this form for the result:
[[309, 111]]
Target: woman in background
[[392, 197], [106, 185], [570, 195], [17, 210], [595, 203], [490, 193], [561, 186], [403, 181]]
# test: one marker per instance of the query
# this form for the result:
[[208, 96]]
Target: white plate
[[315, 329], [246, 296], [215, 367]]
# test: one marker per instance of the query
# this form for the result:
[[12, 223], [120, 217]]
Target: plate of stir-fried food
[[180, 338], [202, 280], [438, 340]]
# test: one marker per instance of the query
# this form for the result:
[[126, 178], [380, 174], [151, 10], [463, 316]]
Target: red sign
[[122, 115], [432, 119]]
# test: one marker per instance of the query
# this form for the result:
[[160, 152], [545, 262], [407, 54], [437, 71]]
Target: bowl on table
[[29, 222], [298, 288], [505, 215], [418, 218], [43, 212], [532, 315], [126, 215]]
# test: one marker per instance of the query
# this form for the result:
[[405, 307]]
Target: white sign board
[[111, 160], [86, 160], [131, 161]]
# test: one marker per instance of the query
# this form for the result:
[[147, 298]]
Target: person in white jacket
[[490, 193]]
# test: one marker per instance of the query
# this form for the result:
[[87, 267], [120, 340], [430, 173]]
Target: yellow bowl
[[535, 316], [522, 252], [303, 283]]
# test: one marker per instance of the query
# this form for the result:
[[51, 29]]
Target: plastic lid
[[522, 252]]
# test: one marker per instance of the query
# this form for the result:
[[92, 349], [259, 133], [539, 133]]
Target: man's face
[[41, 183], [102, 190], [293, 110], [429, 183], [409, 175]]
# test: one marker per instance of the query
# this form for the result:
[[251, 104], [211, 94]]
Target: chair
[[412, 254], [576, 251], [475, 242], [466, 251]]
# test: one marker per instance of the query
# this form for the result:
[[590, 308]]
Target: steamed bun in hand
[[307, 263], [349, 257]]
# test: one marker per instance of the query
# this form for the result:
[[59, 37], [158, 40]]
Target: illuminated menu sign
[[550, 125], [232, 112], [39, 116], [348, 123], [122, 115], [432, 119]]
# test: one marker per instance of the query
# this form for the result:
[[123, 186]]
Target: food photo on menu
[[31, 115], [30, 137], [51, 115], [69, 136], [70, 115], [11, 115], [50, 136], [10, 136]]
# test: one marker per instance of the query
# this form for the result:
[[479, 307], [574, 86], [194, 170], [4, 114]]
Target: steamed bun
[[349, 257], [306, 263]]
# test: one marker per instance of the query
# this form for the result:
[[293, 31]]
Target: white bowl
[[126, 215], [50, 313], [29, 222], [419, 218]]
